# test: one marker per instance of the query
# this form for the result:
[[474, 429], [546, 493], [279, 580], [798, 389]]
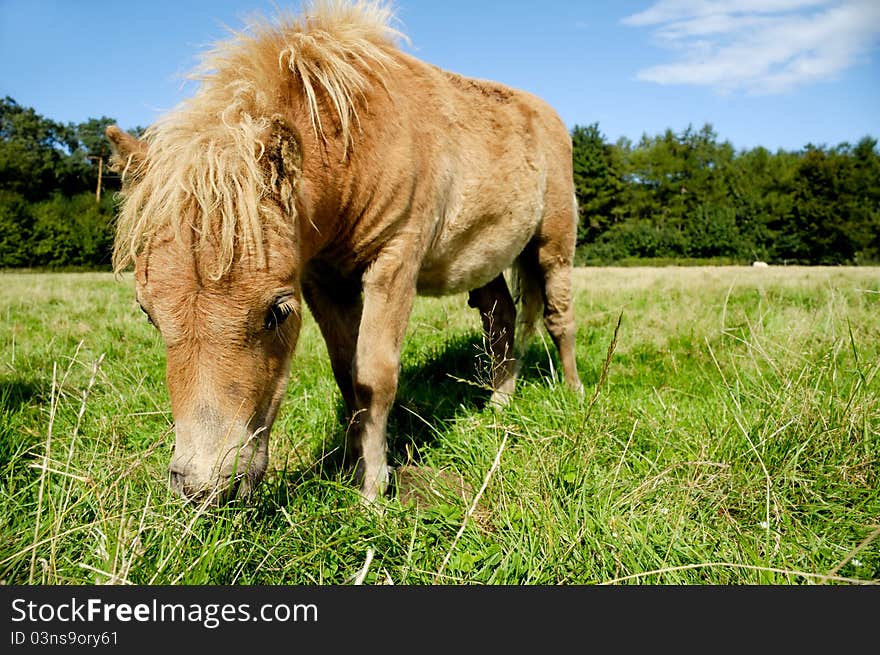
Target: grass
[[729, 435]]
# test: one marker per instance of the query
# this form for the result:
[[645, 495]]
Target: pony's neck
[[325, 198]]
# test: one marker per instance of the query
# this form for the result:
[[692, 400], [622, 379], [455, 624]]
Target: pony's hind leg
[[548, 260], [498, 314], [559, 320]]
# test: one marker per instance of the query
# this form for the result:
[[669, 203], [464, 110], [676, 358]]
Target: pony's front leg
[[336, 304], [389, 289]]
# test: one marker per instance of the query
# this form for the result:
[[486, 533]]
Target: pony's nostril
[[181, 487], [221, 490]]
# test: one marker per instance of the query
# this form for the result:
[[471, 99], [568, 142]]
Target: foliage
[[50, 215], [35, 156], [674, 196], [598, 179], [686, 195], [16, 227], [72, 232]]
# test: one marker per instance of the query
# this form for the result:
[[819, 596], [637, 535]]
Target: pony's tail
[[529, 297]]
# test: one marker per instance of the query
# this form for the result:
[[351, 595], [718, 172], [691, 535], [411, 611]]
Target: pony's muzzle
[[216, 486], [220, 490], [210, 469]]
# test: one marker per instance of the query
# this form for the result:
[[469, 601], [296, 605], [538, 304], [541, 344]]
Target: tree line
[[687, 196], [674, 197]]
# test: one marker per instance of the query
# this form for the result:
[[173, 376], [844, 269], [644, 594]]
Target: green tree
[[866, 198], [831, 218], [34, 152], [16, 227], [72, 231], [597, 181], [49, 176], [761, 186]]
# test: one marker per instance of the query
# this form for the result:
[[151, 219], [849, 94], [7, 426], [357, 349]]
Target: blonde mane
[[205, 167]]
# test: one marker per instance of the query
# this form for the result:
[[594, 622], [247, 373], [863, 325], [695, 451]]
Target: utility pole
[[100, 159]]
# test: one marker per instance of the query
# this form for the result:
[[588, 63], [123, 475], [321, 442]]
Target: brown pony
[[319, 161]]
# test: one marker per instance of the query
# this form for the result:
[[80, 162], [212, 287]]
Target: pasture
[[730, 434]]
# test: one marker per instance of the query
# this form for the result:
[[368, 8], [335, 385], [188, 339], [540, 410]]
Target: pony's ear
[[284, 157], [284, 151], [128, 151]]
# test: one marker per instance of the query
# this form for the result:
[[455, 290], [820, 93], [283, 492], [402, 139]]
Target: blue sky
[[777, 73]]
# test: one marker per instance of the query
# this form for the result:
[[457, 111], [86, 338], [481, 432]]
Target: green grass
[[732, 438]]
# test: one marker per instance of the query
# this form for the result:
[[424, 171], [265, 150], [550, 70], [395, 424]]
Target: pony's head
[[215, 255]]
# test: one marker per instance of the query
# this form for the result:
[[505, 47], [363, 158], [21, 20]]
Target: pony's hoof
[[499, 400], [502, 395], [374, 488]]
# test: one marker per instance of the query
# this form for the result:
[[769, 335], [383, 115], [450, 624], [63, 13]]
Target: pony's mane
[[204, 166]]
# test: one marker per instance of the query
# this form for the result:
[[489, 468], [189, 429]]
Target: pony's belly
[[456, 277], [462, 264]]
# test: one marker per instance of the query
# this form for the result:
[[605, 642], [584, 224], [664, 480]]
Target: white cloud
[[759, 46], [669, 10]]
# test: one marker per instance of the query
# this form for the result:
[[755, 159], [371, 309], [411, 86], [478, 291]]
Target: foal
[[319, 162]]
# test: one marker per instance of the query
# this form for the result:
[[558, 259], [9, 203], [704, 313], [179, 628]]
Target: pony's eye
[[276, 315]]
